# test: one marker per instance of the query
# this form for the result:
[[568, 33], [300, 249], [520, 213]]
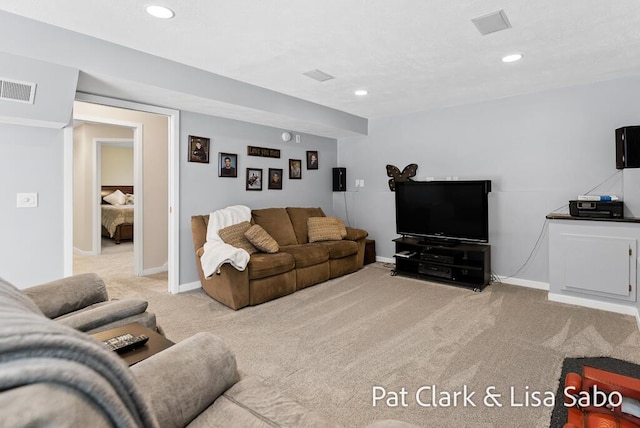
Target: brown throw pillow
[[323, 229], [234, 235], [341, 226], [261, 239]]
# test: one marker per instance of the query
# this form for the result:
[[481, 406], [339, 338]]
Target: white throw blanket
[[216, 251]]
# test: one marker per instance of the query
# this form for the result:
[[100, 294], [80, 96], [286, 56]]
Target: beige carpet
[[327, 346]]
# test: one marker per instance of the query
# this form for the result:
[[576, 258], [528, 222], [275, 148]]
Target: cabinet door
[[599, 265]]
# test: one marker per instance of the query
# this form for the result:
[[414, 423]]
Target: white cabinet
[[593, 260]]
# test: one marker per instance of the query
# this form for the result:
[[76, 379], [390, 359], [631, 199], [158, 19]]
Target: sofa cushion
[[196, 371], [339, 249], [307, 254], [261, 239], [299, 218], [354, 234], [277, 224], [234, 235], [263, 265], [103, 313], [323, 229], [67, 295], [253, 403]]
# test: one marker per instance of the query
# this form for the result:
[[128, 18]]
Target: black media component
[[339, 179], [438, 258], [597, 209], [443, 211], [628, 147], [435, 270]]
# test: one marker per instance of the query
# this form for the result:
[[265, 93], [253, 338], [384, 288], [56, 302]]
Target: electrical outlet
[[27, 200], [362, 182]]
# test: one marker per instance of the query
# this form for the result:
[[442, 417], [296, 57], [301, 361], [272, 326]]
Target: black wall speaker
[[628, 147], [339, 179]]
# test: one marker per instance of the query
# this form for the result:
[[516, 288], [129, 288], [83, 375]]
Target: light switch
[[362, 182], [27, 200]]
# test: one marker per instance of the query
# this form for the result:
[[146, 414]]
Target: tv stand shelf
[[467, 265]]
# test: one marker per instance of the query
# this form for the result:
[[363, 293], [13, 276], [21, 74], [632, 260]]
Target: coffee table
[[155, 344]]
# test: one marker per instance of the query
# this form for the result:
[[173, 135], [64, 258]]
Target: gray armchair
[[81, 301]]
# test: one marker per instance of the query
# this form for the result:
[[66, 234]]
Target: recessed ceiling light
[[512, 58], [160, 12], [361, 92]]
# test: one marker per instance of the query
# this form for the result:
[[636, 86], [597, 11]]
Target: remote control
[[125, 342]]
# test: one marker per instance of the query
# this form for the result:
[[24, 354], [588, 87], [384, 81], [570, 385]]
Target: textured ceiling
[[410, 55]]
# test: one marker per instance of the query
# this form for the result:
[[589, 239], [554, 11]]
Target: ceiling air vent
[[13, 90], [318, 75], [492, 22]]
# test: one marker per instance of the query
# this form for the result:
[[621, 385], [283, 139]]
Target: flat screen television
[[443, 211]]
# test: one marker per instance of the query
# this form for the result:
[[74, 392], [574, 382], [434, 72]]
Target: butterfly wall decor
[[397, 176]]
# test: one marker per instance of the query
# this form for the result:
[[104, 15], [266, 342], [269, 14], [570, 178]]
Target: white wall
[[202, 191], [32, 239], [539, 150], [55, 89]]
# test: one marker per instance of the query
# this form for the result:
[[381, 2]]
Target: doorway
[[158, 197], [115, 171]]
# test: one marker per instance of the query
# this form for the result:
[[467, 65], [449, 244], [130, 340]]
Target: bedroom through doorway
[[104, 198], [119, 174]]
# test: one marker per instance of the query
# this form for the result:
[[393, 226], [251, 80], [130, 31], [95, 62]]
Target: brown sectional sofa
[[298, 263]]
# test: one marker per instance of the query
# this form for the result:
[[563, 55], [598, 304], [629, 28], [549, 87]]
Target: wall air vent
[[13, 90]]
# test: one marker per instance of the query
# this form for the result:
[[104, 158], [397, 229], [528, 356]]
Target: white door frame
[[98, 143], [173, 261]]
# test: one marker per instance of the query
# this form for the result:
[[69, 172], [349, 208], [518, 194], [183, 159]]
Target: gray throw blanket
[[34, 349]]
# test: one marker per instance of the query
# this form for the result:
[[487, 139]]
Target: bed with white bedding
[[117, 212]]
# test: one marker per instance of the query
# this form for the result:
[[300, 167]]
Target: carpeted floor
[[329, 345]]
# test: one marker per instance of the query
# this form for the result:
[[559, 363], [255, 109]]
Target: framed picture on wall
[[312, 160], [228, 164], [198, 149], [254, 179], [295, 169], [275, 178]]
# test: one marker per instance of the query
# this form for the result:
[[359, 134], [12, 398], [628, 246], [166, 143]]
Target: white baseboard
[[385, 259], [83, 253], [525, 283], [189, 286], [153, 271], [595, 304]]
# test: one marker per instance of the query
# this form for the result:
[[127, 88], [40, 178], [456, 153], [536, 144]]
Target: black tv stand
[[467, 265], [438, 242]]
